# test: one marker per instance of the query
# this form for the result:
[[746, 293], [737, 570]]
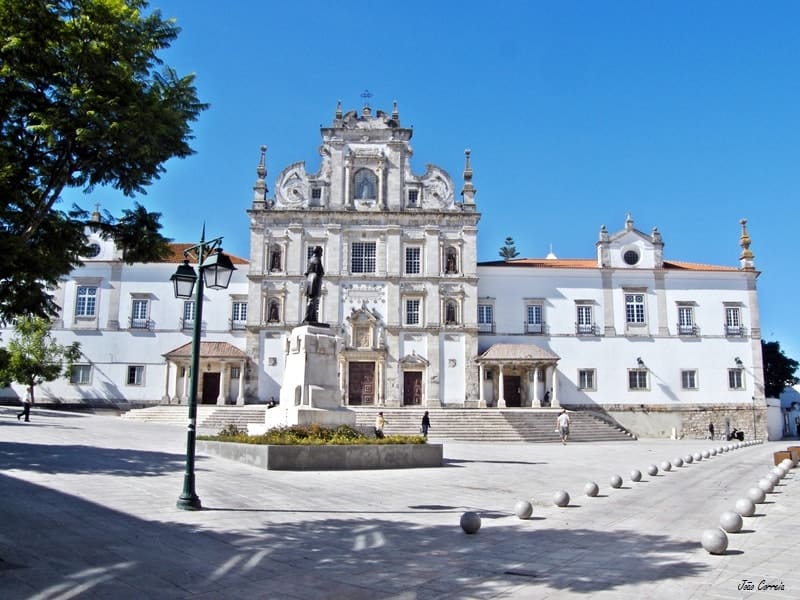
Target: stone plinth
[[310, 391]]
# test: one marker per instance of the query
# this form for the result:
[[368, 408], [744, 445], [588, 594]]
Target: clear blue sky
[[686, 114]]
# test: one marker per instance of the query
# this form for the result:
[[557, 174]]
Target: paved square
[[89, 511]]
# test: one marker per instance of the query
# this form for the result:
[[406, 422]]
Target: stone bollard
[[715, 541], [470, 522]]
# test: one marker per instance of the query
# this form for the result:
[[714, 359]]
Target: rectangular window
[[586, 380], [736, 379], [413, 195], [136, 375], [362, 257], [686, 320], [413, 261], [733, 321], [485, 317], [689, 379], [412, 312], [637, 379], [86, 301], [534, 322], [81, 374], [316, 193], [239, 315], [634, 308], [188, 314], [235, 372], [585, 319], [139, 313]]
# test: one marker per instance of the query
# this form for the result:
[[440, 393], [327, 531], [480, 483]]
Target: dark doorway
[[361, 386], [412, 388], [511, 391], [210, 388]]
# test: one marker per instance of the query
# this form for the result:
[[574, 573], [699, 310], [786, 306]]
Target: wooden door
[[512, 391], [361, 383], [210, 388], [412, 388]]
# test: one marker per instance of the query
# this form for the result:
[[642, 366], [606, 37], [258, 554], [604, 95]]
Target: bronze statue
[[314, 273]]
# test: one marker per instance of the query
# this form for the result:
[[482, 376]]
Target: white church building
[[656, 343]]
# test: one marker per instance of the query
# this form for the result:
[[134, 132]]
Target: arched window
[[275, 256], [450, 260], [273, 311], [365, 185]]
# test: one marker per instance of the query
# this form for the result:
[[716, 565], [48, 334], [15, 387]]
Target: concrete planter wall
[[316, 458]]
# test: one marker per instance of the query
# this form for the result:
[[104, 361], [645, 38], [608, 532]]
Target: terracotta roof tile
[[177, 249], [208, 350], [517, 352]]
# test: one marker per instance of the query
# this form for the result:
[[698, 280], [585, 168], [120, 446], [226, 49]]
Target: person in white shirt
[[562, 424]]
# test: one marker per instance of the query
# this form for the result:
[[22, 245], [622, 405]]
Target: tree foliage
[[84, 101], [779, 369], [33, 356], [508, 250]]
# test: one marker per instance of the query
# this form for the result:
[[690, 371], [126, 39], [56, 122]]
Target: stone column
[[165, 397], [240, 393], [481, 379], [537, 397], [186, 375], [501, 400], [223, 384], [379, 383], [553, 379], [347, 171]]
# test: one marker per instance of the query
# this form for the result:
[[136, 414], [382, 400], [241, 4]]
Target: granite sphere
[[677, 462], [715, 541], [705, 454], [616, 481], [731, 521], [697, 457], [636, 475], [757, 495], [652, 470], [470, 522], [523, 509], [745, 507], [666, 466], [561, 498], [688, 459], [766, 485], [591, 489]]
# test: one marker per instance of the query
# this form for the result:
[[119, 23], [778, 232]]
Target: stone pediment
[[414, 359]]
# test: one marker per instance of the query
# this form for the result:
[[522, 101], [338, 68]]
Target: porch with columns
[[216, 358], [533, 367]]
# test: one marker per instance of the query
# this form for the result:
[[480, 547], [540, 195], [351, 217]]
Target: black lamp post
[[216, 272]]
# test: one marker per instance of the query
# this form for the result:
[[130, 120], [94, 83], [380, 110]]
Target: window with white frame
[[584, 319], [188, 314], [81, 374], [736, 379], [413, 196], [413, 307], [689, 379], [362, 257], [587, 380], [140, 310], [239, 315], [634, 309], [135, 375], [686, 320], [236, 372], [413, 260], [86, 301], [534, 317], [733, 321], [485, 317], [637, 379]]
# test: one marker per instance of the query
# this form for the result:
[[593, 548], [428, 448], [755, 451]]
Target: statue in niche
[[275, 260], [314, 273], [273, 313]]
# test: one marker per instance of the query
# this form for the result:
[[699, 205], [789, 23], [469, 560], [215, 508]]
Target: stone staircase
[[478, 425]]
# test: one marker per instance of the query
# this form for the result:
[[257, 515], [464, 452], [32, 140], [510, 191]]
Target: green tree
[[33, 356], [84, 101], [779, 369], [508, 250]]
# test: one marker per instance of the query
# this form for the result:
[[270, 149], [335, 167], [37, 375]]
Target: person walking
[[426, 424], [562, 426], [380, 422], [26, 407], [711, 431]]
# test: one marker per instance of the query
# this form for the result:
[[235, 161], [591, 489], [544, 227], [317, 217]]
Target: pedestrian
[[426, 424], [711, 431], [26, 407], [380, 422], [562, 426]]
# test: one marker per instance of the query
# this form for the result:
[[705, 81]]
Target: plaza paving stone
[[89, 512]]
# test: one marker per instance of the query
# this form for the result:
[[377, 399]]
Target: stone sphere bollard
[[697, 457], [766, 484], [688, 459], [677, 462], [731, 521], [779, 471], [715, 541], [757, 495], [616, 481], [773, 478], [470, 522], [713, 451], [523, 509], [652, 470], [720, 450], [666, 466], [705, 454], [636, 475], [745, 507], [591, 489], [561, 498], [787, 462]]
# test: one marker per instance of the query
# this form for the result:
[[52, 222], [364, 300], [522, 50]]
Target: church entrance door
[[361, 383], [511, 391], [412, 388], [210, 388]]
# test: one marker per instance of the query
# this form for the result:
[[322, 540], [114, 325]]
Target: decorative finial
[[603, 237], [365, 96], [338, 109], [656, 235], [746, 258], [629, 222], [261, 170], [468, 191], [96, 214], [260, 188], [395, 112]]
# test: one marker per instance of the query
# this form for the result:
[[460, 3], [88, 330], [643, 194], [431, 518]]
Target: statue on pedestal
[[314, 273]]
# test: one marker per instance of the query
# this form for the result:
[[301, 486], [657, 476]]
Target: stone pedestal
[[310, 389]]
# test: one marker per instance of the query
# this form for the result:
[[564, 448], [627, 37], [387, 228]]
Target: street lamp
[[215, 271]]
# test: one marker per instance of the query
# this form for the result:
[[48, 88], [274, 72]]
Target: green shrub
[[309, 435]]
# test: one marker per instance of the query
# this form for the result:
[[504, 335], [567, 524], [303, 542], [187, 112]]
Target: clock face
[[92, 250]]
